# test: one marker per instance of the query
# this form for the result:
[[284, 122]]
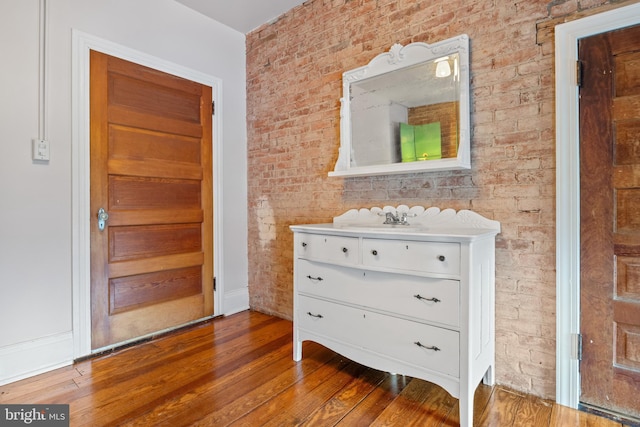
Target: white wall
[[35, 199]]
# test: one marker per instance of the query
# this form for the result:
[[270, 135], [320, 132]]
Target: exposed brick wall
[[294, 69]]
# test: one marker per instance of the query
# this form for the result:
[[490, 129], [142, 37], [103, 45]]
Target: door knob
[[103, 216]]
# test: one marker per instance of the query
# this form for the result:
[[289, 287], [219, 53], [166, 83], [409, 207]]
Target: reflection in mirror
[[407, 115], [408, 110]]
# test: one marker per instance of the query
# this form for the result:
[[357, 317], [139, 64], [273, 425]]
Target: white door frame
[[568, 191], [81, 247]]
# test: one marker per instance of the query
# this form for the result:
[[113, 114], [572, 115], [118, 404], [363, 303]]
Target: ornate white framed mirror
[[407, 111]]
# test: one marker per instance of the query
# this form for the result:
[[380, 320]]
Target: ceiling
[[242, 15]]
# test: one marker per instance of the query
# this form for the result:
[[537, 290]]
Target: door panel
[[131, 292], [610, 220], [134, 242], [152, 266], [165, 150], [129, 192]]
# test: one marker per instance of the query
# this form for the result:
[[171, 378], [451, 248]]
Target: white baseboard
[[235, 301], [31, 358]]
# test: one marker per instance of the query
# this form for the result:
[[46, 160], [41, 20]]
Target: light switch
[[39, 149]]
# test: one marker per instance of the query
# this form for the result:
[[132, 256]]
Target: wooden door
[[610, 220], [151, 171]]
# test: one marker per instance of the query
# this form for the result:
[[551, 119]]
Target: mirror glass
[[408, 110]]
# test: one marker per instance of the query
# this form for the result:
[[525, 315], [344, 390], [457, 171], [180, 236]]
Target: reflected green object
[[420, 142], [407, 143]]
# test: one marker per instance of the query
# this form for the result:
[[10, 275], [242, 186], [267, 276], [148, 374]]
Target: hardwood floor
[[239, 371]]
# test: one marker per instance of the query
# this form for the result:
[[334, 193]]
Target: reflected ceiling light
[[443, 69]]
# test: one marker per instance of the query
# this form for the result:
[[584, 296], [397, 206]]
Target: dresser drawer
[[338, 249], [425, 346], [428, 257], [332, 320], [422, 298]]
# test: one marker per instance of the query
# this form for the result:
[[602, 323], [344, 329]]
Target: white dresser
[[414, 299]]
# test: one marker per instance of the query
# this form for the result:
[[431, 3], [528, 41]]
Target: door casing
[[82, 44], [568, 191]]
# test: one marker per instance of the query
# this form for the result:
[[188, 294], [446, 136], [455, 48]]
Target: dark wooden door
[[151, 157], [610, 220]]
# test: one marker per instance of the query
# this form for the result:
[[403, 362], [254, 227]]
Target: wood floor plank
[[435, 409], [238, 370], [36, 387], [501, 409], [373, 404], [229, 411], [129, 366], [343, 402], [225, 400], [533, 412], [191, 400], [179, 376], [403, 410], [562, 416], [169, 374], [291, 407], [187, 407], [145, 355]]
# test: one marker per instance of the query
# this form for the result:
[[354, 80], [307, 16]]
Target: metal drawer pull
[[345, 250], [374, 252], [319, 279], [304, 245], [317, 316], [434, 348], [420, 297], [441, 257]]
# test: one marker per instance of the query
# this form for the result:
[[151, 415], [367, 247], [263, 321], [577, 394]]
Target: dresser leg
[[466, 410], [489, 376], [297, 350]]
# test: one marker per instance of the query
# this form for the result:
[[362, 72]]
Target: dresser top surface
[[421, 224], [398, 231]]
